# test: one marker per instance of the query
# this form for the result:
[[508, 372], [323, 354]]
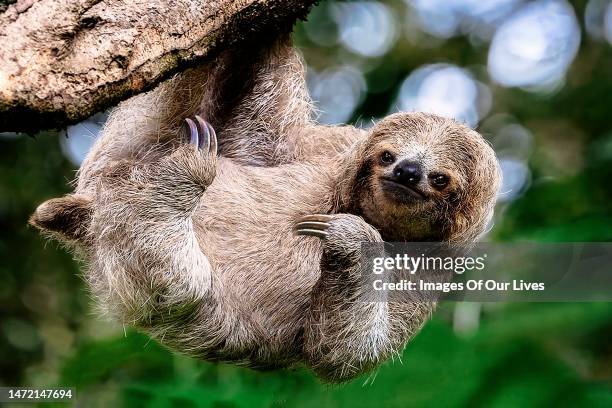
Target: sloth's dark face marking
[[413, 180], [408, 181]]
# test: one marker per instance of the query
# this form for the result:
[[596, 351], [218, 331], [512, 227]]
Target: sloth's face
[[429, 178], [417, 173]]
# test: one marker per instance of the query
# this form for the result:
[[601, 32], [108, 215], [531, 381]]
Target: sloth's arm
[[147, 266], [263, 111], [347, 333], [261, 104], [253, 94]]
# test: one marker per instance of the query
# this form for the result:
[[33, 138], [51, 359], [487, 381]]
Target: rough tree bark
[[63, 60]]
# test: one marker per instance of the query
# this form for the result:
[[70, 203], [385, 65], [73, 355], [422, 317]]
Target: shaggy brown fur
[[200, 250]]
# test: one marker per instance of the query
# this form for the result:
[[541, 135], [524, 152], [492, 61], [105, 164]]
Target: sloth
[[247, 247]]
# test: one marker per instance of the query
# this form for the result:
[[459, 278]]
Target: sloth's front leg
[[345, 335]]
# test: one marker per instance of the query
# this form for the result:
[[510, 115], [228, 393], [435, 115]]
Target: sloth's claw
[[314, 225], [202, 135], [205, 134], [312, 233], [211, 134], [317, 218], [193, 132]]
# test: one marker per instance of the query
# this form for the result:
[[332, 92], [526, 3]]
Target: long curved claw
[[314, 225], [213, 139], [312, 233], [317, 217], [205, 132], [193, 132], [209, 133]]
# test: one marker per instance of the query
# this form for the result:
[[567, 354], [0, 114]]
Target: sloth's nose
[[408, 173]]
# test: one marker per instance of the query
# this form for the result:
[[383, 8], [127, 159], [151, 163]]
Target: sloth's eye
[[387, 158], [439, 180]]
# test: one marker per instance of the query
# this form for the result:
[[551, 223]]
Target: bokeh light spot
[[535, 46], [445, 90], [598, 19], [337, 92], [447, 18], [366, 28]]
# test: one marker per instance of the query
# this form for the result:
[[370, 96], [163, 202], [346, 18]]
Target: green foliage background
[[520, 355]]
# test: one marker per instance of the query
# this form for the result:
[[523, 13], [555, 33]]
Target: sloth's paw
[[194, 162], [342, 234]]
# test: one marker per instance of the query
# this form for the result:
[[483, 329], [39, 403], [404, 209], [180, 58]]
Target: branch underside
[[61, 61]]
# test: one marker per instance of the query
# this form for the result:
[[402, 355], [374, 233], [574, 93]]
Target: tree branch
[[63, 60]]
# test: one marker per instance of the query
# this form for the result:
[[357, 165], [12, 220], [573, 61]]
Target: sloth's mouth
[[402, 193]]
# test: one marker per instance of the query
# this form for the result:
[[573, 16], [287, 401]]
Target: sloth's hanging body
[[199, 249]]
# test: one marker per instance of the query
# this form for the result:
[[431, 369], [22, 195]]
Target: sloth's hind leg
[[144, 213], [149, 268]]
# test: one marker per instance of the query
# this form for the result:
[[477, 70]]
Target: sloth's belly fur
[[244, 226]]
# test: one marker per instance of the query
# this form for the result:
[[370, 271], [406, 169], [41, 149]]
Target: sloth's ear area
[[66, 218]]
